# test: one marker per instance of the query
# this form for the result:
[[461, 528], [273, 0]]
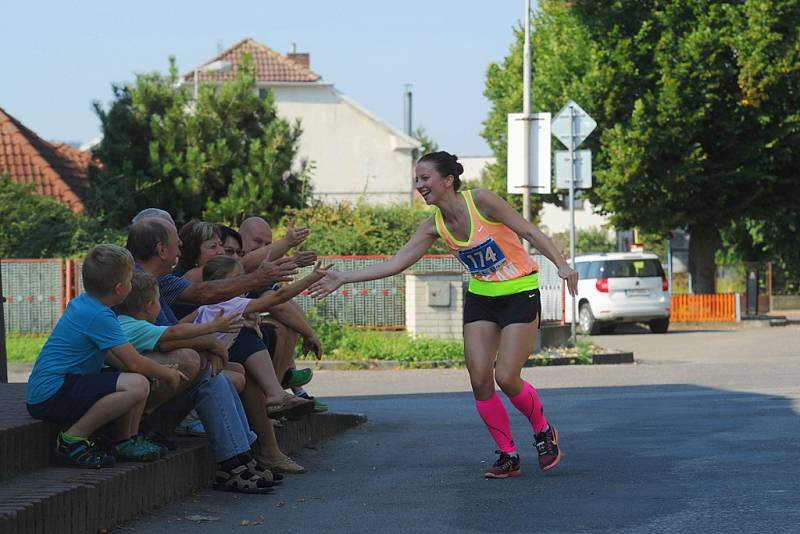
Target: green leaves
[[225, 157], [697, 105]]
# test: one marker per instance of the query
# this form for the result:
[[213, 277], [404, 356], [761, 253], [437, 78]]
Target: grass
[[24, 348]]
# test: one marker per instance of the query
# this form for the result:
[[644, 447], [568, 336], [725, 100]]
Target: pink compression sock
[[495, 417], [528, 402]]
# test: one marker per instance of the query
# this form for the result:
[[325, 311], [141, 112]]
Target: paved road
[[700, 436]]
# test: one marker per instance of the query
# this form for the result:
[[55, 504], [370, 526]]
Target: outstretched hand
[[280, 270], [296, 235], [304, 258], [570, 276], [327, 285]]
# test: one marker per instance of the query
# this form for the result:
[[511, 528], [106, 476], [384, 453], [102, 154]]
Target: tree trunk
[[703, 244]]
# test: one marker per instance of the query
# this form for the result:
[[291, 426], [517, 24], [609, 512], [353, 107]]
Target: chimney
[[301, 59]]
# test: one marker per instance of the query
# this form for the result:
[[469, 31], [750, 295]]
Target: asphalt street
[[701, 435]]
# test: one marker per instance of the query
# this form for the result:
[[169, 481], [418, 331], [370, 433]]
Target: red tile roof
[[56, 170], [270, 66]]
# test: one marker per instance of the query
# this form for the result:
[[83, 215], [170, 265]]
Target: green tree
[[37, 226], [696, 104], [222, 157]]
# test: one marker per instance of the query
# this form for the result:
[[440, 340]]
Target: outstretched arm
[[497, 209], [271, 298], [412, 251]]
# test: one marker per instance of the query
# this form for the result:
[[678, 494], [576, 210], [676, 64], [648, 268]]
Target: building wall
[[355, 155]]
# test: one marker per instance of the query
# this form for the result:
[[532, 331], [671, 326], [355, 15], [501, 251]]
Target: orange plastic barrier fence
[[704, 308]]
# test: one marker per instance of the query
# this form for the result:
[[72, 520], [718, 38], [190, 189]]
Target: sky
[[59, 56]]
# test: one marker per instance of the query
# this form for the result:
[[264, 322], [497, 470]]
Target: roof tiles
[[270, 66], [56, 170]]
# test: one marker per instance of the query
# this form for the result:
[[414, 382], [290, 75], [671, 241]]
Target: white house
[[552, 219], [355, 154]]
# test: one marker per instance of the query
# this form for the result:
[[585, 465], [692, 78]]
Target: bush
[[359, 229], [37, 226], [343, 342]]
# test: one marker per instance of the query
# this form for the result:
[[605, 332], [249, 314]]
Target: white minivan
[[620, 287]]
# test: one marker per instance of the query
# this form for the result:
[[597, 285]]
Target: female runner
[[502, 307]]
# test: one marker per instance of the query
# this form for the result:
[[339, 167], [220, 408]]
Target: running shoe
[[507, 465], [83, 453], [297, 377], [547, 446], [137, 449]]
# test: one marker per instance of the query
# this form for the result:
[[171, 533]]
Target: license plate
[[637, 292]]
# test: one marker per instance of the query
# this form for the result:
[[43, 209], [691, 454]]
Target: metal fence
[[38, 290], [34, 292]]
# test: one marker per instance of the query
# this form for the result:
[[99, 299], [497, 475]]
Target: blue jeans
[[218, 405]]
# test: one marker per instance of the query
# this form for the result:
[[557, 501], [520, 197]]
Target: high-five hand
[[296, 235], [326, 286]]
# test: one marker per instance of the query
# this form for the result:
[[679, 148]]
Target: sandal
[[241, 480], [290, 406], [264, 472]]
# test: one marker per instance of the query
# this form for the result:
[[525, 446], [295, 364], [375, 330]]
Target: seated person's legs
[[236, 374], [187, 361], [88, 402]]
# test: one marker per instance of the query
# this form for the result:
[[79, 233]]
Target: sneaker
[[137, 449], [83, 453], [547, 446], [507, 465], [297, 377], [319, 406], [191, 426]]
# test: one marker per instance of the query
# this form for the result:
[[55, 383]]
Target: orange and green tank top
[[493, 254]]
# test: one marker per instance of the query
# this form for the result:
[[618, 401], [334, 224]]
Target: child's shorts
[[247, 343], [78, 394]]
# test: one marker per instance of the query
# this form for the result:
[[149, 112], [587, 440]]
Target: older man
[[289, 319], [154, 245]]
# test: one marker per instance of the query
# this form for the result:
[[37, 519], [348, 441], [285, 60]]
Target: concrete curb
[[393, 365]]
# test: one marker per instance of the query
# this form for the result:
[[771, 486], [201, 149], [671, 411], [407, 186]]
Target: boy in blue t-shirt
[[67, 386]]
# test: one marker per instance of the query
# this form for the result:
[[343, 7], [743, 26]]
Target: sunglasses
[[231, 251]]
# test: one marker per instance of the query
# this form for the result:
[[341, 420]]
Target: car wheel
[[586, 320], [659, 326]]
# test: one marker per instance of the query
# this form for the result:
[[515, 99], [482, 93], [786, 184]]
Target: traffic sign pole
[[572, 211], [526, 111]]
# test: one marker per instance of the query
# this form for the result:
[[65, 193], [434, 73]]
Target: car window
[[596, 270], [583, 270], [633, 268]]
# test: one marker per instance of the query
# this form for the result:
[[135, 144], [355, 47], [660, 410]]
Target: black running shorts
[[523, 307]]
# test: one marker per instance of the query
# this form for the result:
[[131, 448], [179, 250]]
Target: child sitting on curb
[[67, 386], [137, 315], [258, 369]]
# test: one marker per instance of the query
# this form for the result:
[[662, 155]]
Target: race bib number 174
[[482, 259]]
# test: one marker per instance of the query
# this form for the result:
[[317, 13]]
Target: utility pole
[[408, 125], [526, 112]]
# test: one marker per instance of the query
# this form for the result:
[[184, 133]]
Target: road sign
[[583, 169], [539, 167], [583, 124]]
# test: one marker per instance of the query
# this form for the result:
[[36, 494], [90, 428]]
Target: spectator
[[154, 244], [288, 318], [67, 386], [157, 241]]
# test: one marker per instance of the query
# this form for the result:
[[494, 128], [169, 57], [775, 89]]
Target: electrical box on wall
[[438, 293]]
